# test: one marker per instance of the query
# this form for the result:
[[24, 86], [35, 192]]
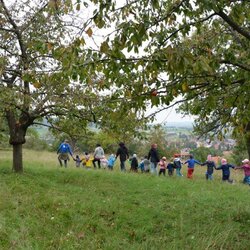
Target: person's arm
[[214, 165], [70, 151], [149, 154], [117, 153], [232, 166], [197, 162]]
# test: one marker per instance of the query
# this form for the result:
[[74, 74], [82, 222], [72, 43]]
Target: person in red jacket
[[246, 168]]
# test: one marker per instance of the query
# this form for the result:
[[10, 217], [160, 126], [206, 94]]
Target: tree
[[196, 50], [34, 59], [41, 42], [151, 52]]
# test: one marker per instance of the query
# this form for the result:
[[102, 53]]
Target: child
[[146, 164], [87, 160], [111, 162], [246, 168], [78, 161], [141, 165], [134, 163], [210, 167], [177, 165], [225, 167], [162, 166], [104, 162], [191, 163], [170, 168]]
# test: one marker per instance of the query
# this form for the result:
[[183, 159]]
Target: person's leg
[[247, 180], [190, 173], [153, 168], [210, 177], [99, 163], [123, 166], [94, 162], [164, 172], [171, 172], [65, 163], [225, 177], [60, 161], [178, 172]]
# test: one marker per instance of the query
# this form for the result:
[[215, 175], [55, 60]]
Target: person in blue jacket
[[225, 167], [111, 162], [63, 153], [191, 163]]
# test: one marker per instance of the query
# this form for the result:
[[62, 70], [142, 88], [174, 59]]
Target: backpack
[[64, 148], [177, 164]]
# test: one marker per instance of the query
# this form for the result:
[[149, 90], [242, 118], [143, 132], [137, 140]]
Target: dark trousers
[[170, 172], [226, 178], [162, 171], [98, 161]]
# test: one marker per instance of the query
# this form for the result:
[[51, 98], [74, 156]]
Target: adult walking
[[122, 151], [98, 155], [154, 158], [63, 153]]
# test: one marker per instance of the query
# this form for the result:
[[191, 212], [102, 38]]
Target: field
[[48, 207]]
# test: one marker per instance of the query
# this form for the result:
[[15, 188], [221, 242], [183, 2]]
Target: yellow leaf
[[37, 85], [78, 6], [52, 3], [104, 47], [184, 87], [89, 32], [50, 46]]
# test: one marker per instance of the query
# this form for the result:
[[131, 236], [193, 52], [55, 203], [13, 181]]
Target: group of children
[[175, 165], [87, 161], [211, 166]]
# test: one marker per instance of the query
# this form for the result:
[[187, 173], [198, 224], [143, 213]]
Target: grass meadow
[[48, 207]]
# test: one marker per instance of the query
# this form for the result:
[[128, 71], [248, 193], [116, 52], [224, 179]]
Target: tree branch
[[233, 24]]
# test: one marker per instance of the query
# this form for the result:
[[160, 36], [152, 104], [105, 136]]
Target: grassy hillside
[[49, 207]]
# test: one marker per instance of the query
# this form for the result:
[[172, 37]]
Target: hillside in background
[[185, 124]]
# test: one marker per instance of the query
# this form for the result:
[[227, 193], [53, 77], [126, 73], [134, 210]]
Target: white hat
[[245, 161]]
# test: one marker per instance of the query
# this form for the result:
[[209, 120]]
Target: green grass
[[48, 207]]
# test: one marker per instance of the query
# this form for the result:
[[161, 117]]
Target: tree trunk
[[17, 131], [247, 139], [18, 158]]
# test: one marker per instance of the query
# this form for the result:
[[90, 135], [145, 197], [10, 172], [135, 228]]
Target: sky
[[169, 116]]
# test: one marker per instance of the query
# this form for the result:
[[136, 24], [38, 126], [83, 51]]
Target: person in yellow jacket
[[87, 160]]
